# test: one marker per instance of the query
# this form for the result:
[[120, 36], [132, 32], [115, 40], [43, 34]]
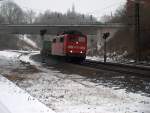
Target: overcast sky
[[94, 7]]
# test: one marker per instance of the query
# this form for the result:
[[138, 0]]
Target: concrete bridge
[[93, 31], [54, 29]]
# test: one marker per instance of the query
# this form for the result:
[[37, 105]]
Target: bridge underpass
[[93, 31]]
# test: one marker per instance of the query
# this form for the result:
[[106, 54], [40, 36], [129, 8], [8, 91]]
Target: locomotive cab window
[[73, 39], [81, 39]]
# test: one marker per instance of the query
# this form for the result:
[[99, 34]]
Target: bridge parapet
[[54, 29]]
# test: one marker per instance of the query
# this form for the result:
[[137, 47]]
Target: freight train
[[69, 44]]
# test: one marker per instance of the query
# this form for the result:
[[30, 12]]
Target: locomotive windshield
[[81, 39], [75, 39]]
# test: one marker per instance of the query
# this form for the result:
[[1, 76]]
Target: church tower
[[73, 8]]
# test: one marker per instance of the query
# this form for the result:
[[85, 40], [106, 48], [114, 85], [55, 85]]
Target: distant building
[[144, 3], [73, 8]]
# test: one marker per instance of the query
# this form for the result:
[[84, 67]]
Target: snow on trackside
[[98, 58], [13, 57], [15, 100], [9, 54], [111, 57], [26, 58], [64, 95], [117, 59], [95, 58], [72, 93], [7, 58]]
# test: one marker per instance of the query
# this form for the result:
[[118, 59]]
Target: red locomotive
[[69, 44]]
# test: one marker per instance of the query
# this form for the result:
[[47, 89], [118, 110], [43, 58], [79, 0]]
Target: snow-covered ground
[[12, 98], [72, 93], [111, 57], [114, 60], [118, 59], [15, 100], [95, 58]]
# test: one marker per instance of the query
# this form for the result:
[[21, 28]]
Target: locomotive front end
[[76, 46]]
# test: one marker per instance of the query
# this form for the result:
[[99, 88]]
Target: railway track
[[121, 68], [115, 67]]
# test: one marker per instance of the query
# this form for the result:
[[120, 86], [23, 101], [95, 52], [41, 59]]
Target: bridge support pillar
[[42, 34]]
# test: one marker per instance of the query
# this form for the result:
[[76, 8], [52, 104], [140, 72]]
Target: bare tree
[[30, 16], [12, 13], [71, 17]]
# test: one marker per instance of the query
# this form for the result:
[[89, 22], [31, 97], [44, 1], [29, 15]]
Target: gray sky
[[94, 7]]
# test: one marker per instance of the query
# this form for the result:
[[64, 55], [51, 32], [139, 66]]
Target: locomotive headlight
[[71, 51], [81, 51]]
